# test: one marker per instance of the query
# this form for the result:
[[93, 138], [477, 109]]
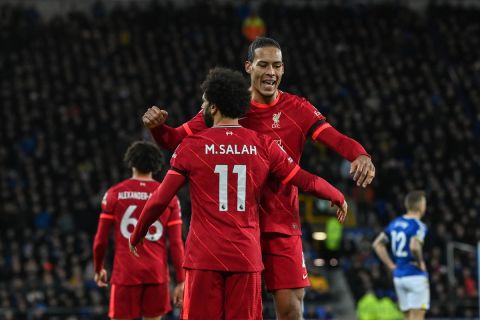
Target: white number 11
[[241, 171]]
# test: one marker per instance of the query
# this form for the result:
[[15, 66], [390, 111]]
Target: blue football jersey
[[400, 231]]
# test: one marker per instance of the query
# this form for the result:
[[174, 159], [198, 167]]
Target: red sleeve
[[182, 158], [100, 244], [105, 223], [317, 186], [345, 146], [169, 138], [176, 250], [109, 202], [316, 125], [175, 212], [286, 170], [309, 116], [282, 166], [157, 204]]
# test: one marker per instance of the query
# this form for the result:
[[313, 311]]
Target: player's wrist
[[338, 197]]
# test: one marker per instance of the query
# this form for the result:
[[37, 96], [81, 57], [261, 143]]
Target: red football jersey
[[289, 120], [123, 203], [227, 167]]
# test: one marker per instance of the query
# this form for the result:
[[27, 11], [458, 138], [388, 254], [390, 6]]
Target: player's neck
[[137, 175], [413, 214], [221, 120], [260, 99]]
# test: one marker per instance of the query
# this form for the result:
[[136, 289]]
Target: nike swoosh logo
[[305, 276]]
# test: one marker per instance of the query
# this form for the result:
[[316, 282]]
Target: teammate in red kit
[[289, 120], [227, 167], [139, 287]]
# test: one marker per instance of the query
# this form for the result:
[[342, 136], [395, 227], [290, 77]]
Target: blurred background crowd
[[73, 89]]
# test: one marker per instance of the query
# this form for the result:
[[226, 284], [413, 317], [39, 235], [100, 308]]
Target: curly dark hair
[[261, 42], [144, 156], [228, 90]]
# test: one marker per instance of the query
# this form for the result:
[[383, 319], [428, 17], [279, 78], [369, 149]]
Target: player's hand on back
[[362, 170], [341, 211], [154, 117], [101, 278], [177, 295]]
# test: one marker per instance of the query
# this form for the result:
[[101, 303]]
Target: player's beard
[[208, 118]]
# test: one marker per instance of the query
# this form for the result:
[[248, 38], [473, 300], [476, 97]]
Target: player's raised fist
[[154, 117]]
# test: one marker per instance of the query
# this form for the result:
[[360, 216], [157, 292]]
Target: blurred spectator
[[73, 88]]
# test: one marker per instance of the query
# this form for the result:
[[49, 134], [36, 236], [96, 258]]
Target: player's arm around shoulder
[[169, 138], [361, 168]]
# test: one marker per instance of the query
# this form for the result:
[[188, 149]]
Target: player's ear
[[248, 67], [213, 109]]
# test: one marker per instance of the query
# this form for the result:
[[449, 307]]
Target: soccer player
[[139, 287], [227, 167], [289, 120], [406, 235]]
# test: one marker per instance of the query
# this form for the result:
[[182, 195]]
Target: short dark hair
[[412, 200], [228, 90], [144, 156], [261, 42]]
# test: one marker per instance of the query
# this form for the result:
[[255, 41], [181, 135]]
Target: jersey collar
[[221, 125], [266, 105]]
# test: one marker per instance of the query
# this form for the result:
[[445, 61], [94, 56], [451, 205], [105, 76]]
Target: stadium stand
[[73, 88]]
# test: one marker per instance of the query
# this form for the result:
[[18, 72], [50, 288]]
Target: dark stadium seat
[[73, 89]]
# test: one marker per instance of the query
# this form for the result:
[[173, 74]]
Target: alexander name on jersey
[[134, 195], [230, 149]]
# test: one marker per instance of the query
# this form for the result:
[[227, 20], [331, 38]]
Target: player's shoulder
[[189, 142], [152, 184], [251, 132], [419, 225], [118, 186], [300, 107], [261, 138], [291, 98], [398, 222], [110, 195]]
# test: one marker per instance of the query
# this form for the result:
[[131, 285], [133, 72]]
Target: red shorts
[[222, 295], [148, 300], [284, 263]]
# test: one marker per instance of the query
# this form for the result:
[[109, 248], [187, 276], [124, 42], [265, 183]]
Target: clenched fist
[[154, 117]]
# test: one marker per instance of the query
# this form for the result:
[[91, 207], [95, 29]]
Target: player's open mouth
[[269, 84]]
